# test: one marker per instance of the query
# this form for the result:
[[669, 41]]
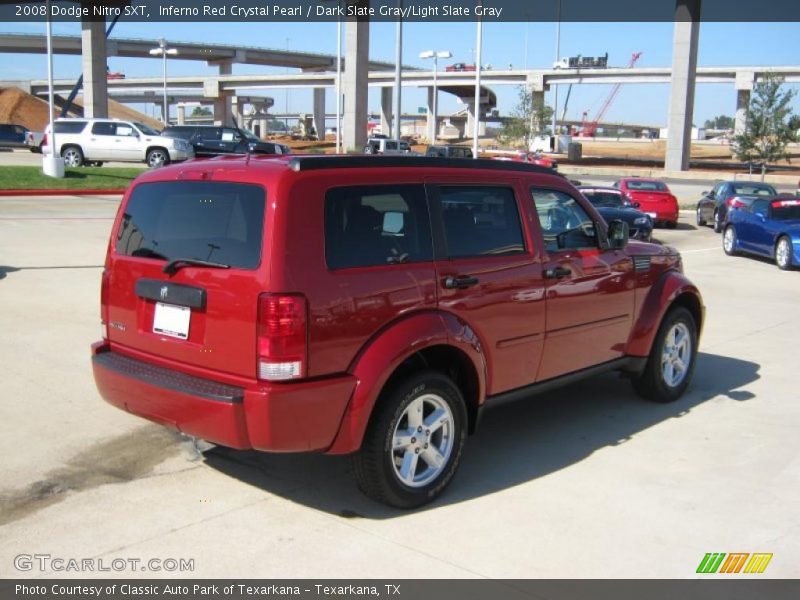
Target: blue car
[[768, 227]]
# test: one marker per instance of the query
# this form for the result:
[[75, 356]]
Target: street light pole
[[52, 164], [477, 123], [163, 51], [398, 85], [432, 128], [339, 86], [555, 85]]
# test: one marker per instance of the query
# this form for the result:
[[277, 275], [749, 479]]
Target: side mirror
[[618, 234]]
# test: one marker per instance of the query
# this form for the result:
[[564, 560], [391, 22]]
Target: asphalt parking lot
[[587, 481]]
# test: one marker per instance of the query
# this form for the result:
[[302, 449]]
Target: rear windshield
[[754, 189], [786, 210], [213, 221], [69, 126], [647, 186], [607, 199]]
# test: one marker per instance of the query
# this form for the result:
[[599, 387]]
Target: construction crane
[[589, 128]]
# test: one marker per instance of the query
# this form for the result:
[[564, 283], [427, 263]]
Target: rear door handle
[[459, 282], [557, 273]]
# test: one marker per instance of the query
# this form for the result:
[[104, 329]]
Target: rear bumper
[[291, 417]]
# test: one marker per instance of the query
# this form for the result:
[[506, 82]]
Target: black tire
[[729, 241], [157, 157], [717, 222], [651, 384], [72, 155], [784, 262], [376, 463], [369, 149], [701, 222]]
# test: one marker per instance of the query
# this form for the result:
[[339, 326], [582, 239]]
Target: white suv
[[94, 141]]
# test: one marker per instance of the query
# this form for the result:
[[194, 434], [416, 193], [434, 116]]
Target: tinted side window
[[209, 133], [480, 221], [104, 128], [221, 222], [69, 126], [565, 225], [376, 225]]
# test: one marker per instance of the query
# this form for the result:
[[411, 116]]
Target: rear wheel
[[717, 221], [700, 220], [672, 359], [72, 155], [414, 441], [729, 241], [783, 253]]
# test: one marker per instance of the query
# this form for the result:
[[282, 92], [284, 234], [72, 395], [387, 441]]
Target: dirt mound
[[21, 108]]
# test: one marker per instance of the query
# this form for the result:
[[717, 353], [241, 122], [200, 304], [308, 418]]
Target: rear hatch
[[201, 313]]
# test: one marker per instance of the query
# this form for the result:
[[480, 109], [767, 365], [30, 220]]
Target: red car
[[533, 158], [374, 305], [652, 197], [458, 67]]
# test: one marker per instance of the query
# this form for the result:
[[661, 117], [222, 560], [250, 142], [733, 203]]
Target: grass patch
[[32, 178]]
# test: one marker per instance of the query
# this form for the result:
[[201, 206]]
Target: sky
[[504, 44]]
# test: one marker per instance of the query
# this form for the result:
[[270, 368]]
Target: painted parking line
[[700, 250]]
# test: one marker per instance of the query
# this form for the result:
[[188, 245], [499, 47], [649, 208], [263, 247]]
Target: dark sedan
[[210, 140], [612, 205], [712, 208]]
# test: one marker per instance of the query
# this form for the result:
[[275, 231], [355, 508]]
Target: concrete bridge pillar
[[95, 86], [355, 80], [181, 114], [430, 128], [386, 110], [684, 70], [319, 112], [223, 103], [744, 86]]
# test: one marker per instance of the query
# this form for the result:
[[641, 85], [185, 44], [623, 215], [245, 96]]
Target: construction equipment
[[589, 128]]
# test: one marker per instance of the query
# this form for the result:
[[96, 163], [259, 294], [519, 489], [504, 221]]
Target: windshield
[[647, 186], [145, 129], [608, 199], [249, 134]]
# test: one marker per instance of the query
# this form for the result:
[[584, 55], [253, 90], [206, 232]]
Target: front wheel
[[414, 441], [157, 157], [783, 254], [729, 241], [672, 359]]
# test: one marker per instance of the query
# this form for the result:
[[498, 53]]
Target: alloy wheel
[[676, 355]]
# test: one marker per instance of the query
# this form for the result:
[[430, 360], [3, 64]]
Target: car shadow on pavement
[[515, 443], [6, 270]]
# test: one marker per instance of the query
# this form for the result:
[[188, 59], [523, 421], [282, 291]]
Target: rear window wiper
[[177, 264]]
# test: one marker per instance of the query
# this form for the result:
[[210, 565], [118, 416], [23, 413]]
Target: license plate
[[651, 215], [172, 320]]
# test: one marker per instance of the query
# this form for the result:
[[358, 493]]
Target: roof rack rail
[[314, 163]]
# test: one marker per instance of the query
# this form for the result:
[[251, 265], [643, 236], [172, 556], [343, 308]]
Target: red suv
[[652, 197], [374, 305]]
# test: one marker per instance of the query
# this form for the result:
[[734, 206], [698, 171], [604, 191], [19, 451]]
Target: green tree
[[201, 111], [720, 122], [528, 119], [767, 131]]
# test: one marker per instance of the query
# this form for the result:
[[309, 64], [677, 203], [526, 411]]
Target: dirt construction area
[[587, 481]]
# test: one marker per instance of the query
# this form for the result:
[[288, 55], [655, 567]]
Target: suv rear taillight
[[44, 140], [282, 337], [104, 303]]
